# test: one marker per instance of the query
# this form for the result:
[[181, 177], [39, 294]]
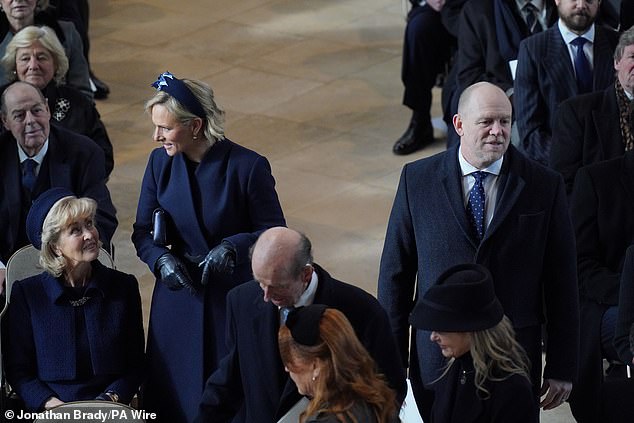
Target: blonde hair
[[213, 124], [60, 216], [496, 356], [348, 374], [25, 39]]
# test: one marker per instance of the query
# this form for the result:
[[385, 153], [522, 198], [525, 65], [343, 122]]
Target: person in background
[[76, 329], [36, 56], [329, 365], [203, 202], [487, 374], [572, 57], [20, 14], [598, 126]]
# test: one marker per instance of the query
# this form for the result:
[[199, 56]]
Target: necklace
[[463, 376], [80, 302]]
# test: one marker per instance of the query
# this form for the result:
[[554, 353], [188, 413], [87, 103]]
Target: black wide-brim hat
[[462, 300], [39, 210]]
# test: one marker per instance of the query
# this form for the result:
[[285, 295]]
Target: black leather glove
[[221, 259], [173, 273]]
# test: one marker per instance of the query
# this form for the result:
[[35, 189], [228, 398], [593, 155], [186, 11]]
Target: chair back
[[93, 411]]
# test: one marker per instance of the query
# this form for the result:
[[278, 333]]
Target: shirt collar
[[467, 168], [568, 35], [39, 157], [308, 295]]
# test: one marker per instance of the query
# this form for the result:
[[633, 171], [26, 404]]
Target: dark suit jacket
[[42, 342], [545, 77], [74, 162], [230, 196], [625, 317], [251, 385], [528, 247], [479, 58], [602, 211], [587, 130]]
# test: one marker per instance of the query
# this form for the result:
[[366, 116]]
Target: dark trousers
[[426, 50]]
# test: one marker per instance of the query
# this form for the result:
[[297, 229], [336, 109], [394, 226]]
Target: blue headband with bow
[[176, 88]]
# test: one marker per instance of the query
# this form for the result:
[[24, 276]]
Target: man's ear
[[457, 124]]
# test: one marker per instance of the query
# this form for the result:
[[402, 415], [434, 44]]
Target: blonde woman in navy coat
[[204, 200], [75, 330]]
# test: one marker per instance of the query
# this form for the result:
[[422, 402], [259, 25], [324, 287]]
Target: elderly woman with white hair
[[75, 331], [35, 55]]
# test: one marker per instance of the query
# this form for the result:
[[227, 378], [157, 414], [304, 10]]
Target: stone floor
[[313, 85]]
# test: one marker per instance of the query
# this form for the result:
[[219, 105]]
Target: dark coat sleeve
[[399, 265], [596, 280], [224, 394], [625, 317], [560, 290], [21, 359]]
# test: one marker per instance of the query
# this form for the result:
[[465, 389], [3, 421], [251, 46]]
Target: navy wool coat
[[237, 197], [528, 247], [41, 359]]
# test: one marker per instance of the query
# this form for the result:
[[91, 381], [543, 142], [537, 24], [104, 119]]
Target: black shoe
[[414, 139], [101, 89]]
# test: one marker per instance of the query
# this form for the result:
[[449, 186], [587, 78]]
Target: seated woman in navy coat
[[75, 330], [203, 203], [486, 378]]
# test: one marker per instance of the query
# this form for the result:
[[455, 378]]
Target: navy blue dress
[[229, 196]]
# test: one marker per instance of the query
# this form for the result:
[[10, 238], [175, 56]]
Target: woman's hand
[[173, 273], [221, 259], [52, 402]]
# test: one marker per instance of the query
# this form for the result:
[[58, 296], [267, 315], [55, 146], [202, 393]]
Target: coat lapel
[[603, 71], [510, 186], [176, 197], [557, 63], [452, 187], [628, 176], [58, 165], [265, 326], [606, 122]]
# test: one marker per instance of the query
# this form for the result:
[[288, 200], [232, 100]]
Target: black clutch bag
[[159, 227]]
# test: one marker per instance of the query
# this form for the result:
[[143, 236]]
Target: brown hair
[[348, 374]]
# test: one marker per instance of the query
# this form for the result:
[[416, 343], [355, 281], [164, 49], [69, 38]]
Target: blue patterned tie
[[582, 67], [28, 174], [475, 206]]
